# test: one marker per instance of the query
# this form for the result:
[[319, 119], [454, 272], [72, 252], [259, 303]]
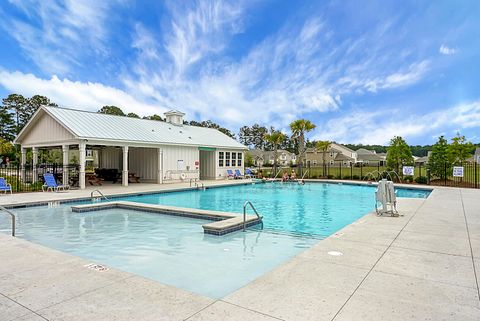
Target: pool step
[[224, 222]]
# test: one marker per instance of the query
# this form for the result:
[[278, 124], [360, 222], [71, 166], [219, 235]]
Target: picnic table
[[132, 178]]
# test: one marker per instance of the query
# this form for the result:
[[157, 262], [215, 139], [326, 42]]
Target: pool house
[[126, 149]]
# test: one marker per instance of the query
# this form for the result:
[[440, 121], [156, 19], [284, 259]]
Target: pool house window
[[239, 159], [221, 156], [227, 159], [234, 159]]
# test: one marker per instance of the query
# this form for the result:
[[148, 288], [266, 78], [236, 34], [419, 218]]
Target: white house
[[155, 151]]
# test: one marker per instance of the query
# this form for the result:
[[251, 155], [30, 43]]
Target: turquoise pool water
[[175, 251], [313, 209]]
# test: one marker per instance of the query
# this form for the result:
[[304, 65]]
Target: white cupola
[[174, 117]]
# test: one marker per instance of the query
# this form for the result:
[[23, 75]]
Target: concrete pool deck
[[420, 266]]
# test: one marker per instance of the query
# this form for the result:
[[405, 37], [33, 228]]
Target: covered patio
[[98, 148]]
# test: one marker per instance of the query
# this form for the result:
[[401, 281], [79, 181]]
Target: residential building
[[336, 155], [370, 157], [284, 157]]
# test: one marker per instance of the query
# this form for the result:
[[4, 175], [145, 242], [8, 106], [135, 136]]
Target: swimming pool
[[318, 209], [175, 251]]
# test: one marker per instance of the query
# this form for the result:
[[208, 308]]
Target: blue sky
[[362, 71]]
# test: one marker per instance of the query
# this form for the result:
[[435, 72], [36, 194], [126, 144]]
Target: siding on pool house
[[153, 151]]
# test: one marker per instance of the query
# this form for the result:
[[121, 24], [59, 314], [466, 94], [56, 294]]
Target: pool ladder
[[101, 195], [245, 213], [12, 216], [201, 186]]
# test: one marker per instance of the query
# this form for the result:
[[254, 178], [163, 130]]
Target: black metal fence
[[30, 179], [365, 172]]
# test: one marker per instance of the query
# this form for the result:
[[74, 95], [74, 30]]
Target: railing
[[276, 175], [304, 174], [245, 213], [193, 180], [197, 187], [101, 195], [12, 216]]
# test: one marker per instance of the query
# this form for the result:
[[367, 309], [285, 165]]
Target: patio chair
[[238, 175], [249, 173], [230, 174], [4, 186], [51, 184]]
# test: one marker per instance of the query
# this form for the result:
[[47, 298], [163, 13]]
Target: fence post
[[18, 179], [445, 173], [361, 171], [351, 170], [475, 171], [340, 169]]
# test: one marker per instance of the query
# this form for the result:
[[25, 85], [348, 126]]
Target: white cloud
[[58, 34], [74, 94], [377, 127], [444, 50], [186, 64]]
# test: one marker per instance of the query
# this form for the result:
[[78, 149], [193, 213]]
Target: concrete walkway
[[422, 266]]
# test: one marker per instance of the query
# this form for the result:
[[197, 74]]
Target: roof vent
[[174, 117]]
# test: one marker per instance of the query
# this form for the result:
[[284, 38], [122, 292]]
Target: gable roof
[[341, 157], [96, 126], [363, 151]]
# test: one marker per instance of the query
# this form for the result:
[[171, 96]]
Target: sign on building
[[408, 170], [458, 171]]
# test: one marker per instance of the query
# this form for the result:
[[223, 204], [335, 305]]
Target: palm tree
[[275, 138], [324, 146], [299, 128]]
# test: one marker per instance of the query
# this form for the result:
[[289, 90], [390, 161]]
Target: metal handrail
[[277, 173], [101, 194], [12, 216], [194, 180], [196, 185], [245, 213], [305, 174]]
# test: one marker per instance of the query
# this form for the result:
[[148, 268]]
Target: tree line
[[16, 110]]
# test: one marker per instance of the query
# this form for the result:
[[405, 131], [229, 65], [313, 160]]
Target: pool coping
[[224, 222]]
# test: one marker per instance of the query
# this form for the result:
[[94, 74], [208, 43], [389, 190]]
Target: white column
[[160, 166], [81, 174], [65, 164], [34, 163], [125, 166], [23, 160]]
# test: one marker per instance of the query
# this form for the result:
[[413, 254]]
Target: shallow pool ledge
[[224, 222]]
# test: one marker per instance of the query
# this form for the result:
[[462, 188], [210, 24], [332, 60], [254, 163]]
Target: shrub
[[338, 176], [408, 179], [421, 180], [355, 177], [346, 177], [330, 176]]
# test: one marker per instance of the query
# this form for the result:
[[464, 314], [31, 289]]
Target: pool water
[[313, 209], [175, 251]]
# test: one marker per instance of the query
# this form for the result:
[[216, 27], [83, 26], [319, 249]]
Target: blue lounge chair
[[51, 183], [249, 173], [238, 174], [230, 174], [4, 186]]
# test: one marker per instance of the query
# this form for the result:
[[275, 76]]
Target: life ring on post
[[183, 176]]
